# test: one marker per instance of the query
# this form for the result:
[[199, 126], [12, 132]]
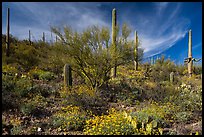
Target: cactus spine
[[114, 23], [7, 36], [136, 51], [67, 75], [172, 77]]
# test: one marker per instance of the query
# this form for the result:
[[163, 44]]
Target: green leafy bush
[[183, 116], [33, 106], [69, 118], [23, 86], [113, 124], [161, 69], [120, 123], [41, 74], [85, 97], [189, 98], [27, 108]]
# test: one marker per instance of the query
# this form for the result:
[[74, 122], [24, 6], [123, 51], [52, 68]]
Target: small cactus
[[67, 75], [172, 77]]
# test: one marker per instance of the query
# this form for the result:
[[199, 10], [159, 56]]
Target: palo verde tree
[[91, 53]]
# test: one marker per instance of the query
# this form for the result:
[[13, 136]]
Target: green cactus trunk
[[67, 75], [29, 37], [114, 23], [190, 64], [7, 36], [136, 52], [172, 77], [43, 38]]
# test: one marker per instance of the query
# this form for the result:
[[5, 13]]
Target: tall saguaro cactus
[[67, 75], [7, 36], [114, 23], [29, 37], [136, 51], [190, 59], [190, 64], [43, 38]]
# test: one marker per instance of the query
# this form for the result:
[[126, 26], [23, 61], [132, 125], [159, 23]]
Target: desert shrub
[[44, 90], [91, 55], [34, 106], [162, 114], [161, 69], [55, 64], [197, 70], [9, 69], [85, 97], [113, 124], [119, 123], [189, 98], [41, 75], [17, 130], [27, 108], [8, 83], [23, 86], [69, 118], [28, 58], [183, 116]]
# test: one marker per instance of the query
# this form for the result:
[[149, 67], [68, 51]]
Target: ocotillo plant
[[114, 23], [171, 77], [7, 36], [67, 75], [190, 59], [136, 51]]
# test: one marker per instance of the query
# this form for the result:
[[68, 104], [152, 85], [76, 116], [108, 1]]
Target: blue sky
[[162, 26]]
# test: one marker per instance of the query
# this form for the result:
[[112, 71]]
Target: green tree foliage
[[91, 53]]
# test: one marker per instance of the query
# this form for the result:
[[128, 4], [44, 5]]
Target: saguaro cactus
[[7, 36], [190, 59], [67, 75], [43, 38], [190, 64], [136, 51], [29, 37], [114, 23], [171, 77]]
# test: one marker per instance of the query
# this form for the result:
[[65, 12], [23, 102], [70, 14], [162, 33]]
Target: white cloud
[[74, 14], [158, 32]]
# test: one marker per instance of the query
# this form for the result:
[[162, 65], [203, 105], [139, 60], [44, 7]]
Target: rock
[[39, 129]]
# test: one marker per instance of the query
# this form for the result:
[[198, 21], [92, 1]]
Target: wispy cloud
[[74, 14], [158, 29], [161, 30]]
